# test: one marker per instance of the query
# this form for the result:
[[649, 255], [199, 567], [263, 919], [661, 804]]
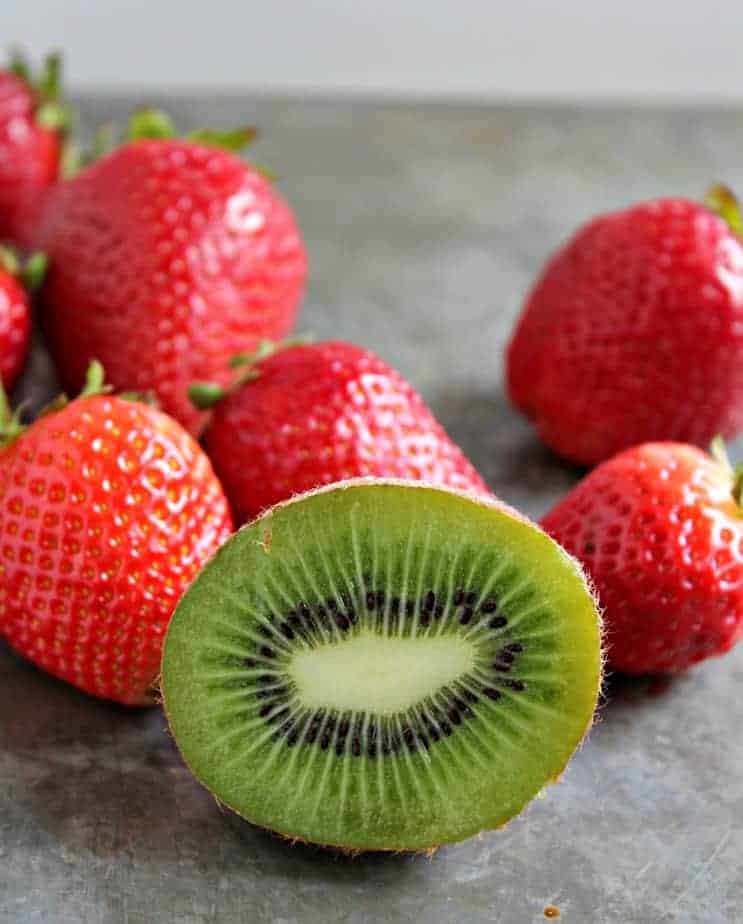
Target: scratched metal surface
[[425, 226]]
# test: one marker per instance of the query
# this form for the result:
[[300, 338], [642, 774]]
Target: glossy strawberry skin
[[321, 413], [660, 534], [167, 257], [634, 332], [107, 510], [15, 328], [29, 162]]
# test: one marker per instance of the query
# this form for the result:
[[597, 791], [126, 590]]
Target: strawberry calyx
[[51, 110], [204, 395], [149, 123], [719, 452], [11, 421], [30, 270], [723, 202]]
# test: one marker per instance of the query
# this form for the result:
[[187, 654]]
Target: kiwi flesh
[[383, 665]]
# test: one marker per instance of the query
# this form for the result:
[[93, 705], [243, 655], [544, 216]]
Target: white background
[[481, 49]]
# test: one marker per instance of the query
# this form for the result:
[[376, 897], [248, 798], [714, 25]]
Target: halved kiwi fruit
[[382, 666]]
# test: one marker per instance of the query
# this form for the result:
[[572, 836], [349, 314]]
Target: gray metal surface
[[425, 226]]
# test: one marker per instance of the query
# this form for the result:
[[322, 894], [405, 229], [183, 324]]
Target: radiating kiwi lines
[[349, 601]]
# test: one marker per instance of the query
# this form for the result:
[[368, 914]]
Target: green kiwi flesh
[[382, 666]]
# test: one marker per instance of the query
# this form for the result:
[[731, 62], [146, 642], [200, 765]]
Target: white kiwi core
[[371, 671]]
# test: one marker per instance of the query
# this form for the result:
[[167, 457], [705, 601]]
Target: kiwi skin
[[491, 502]]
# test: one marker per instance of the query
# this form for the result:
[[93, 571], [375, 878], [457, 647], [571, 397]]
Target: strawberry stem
[[150, 123], [10, 421], [234, 139], [51, 110], [724, 203], [718, 451], [95, 381], [205, 395], [31, 271]]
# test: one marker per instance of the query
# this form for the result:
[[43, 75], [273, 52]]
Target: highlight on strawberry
[[108, 508], [167, 256]]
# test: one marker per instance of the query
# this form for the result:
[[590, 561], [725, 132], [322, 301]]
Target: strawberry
[[634, 331], [16, 279], [308, 415], [167, 256], [660, 531], [33, 122], [107, 509]]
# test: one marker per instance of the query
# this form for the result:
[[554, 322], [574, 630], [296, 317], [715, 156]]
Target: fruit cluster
[[412, 639]]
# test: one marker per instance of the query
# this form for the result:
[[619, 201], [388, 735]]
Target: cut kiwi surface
[[383, 666]]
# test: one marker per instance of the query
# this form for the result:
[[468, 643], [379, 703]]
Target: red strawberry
[[660, 531], [107, 510], [167, 257], [32, 125], [15, 312], [635, 332], [310, 415]]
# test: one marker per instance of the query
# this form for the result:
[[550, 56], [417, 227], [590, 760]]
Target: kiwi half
[[382, 666]]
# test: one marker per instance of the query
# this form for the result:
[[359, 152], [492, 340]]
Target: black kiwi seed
[[410, 739], [459, 597], [454, 717], [466, 616], [517, 685], [489, 606], [395, 605], [324, 741], [433, 731], [342, 622], [250, 663], [503, 666], [380, 598], [266, 678], [425, 619], [291, 738], [286, 630], [371, 599], [372, 749], [429, 601], [505, 655], [267, 652], [470, 598], [303, 610], [409, 607], [439, 611], [492, 693], [497, 622], [311, 734], [470, 696], [343, 727], [340, 746], [516, 647], [355, 746], [332, 604], [265, 709]]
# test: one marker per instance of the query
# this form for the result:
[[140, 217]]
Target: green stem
[[723, 202]]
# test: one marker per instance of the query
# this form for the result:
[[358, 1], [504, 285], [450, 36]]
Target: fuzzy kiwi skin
[[494, 503]]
